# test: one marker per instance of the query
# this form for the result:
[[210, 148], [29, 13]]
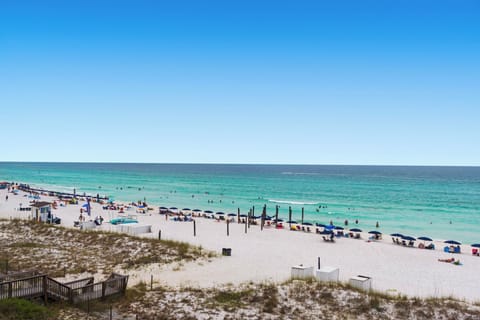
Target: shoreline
[[268, 255]]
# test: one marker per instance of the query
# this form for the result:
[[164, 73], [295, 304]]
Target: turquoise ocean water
[[419, 201]]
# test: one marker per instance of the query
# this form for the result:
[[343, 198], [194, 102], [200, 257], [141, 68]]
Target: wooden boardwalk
[[33, 285]]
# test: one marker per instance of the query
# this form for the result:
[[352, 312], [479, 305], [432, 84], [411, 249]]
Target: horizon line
[[252, 163]]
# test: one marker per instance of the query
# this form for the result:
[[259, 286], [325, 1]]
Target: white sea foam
[[293, 202]]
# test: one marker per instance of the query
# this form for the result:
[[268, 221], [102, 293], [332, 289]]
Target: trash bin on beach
[[329, 274], [302, 272], [227, 252], [361, 282]]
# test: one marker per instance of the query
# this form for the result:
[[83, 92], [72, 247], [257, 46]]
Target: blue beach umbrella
[[307, 224], [326, 232], [374, 232], [186, 209], [279, 220], [408, 238], [232, 214], [220, 213], [208, 211], [476, 245], [424, 238], [355, 230], [452, 242], [338, 228], [397, 235], [291, 221], [197, 210], [321, 225]]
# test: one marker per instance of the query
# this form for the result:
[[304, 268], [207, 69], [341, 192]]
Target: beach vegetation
[[19, 309], [58, 251]]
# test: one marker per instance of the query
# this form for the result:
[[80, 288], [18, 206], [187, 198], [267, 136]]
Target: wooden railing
[[77, 291], [57, 290], [23, 288], [18, 275], [79, 283]]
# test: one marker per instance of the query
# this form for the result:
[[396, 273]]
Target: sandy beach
[[269, 255]]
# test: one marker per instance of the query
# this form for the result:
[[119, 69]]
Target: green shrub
[[19, 309]]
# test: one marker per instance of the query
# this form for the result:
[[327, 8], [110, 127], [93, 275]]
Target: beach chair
[[475, 251], [456, 249], [446, 249]]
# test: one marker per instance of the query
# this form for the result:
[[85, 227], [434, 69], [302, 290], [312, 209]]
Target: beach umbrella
[[408, 238], [186, 209], [208, 211], [279, 220], [292, 221], [338, 228], [173, 208], [232, 214], [197, 210], [476, 245], [267, 218], [326, 232], [243, 216], [321, 225], [424, 238], [374, 232], [355, 230], [398, 235], [452, 242], [220, 213], [307, 224]]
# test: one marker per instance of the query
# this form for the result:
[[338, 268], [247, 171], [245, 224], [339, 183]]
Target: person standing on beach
[[377, 225]]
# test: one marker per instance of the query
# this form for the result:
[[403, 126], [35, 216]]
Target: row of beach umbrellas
[[327, 228]]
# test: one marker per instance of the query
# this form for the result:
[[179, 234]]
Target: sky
[[287, 82]]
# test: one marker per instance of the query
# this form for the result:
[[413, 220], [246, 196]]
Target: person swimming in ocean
[[377, 225]]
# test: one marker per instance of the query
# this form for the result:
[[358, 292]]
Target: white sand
[[270, 254]]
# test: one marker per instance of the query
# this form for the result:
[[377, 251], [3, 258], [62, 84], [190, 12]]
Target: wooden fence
[[35, 286]]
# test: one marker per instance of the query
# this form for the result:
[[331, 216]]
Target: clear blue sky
[[337, 82]]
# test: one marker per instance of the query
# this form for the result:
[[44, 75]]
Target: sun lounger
[[475, 251], [328, 239]]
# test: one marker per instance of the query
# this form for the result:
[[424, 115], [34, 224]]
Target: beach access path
[[268, 255]]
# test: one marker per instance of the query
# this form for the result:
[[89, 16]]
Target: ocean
[[439, 202]]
